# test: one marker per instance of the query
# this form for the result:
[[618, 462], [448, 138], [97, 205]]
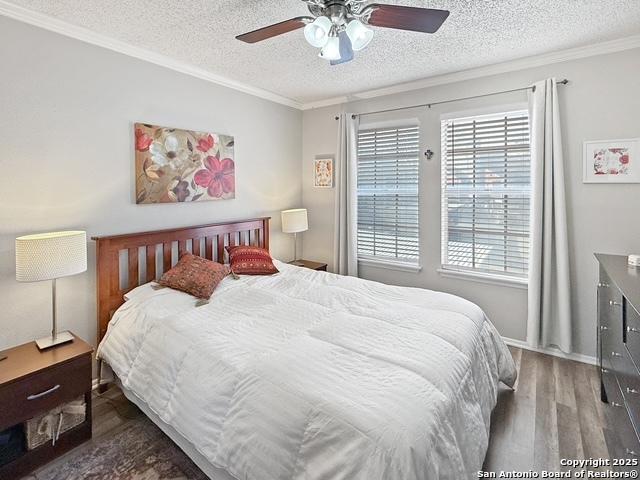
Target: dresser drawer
[[613, 352], [614, 396], [622, 365], [610, 309], [625, 442], [609, 301], [632, 322], [610, 332], [44, 390], [629, 382], [611, 343], [615, 413], [628, 447], [625, 418]]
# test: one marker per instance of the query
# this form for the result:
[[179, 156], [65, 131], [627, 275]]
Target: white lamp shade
[[294, 221], [359, 34], [46, 256], [317, 32], [331, 50]]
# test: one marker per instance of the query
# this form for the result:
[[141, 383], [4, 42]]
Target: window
[[388, 161], [486, 188]]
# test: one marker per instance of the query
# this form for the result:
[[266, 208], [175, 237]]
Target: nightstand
[[33, 382], [309, 264]]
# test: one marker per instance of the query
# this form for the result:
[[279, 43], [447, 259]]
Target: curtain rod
[[429, 105]]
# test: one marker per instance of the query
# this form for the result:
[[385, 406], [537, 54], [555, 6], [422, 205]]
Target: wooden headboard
[[127, 261]]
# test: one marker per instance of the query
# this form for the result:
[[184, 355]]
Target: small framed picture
[[612, 161], [323, 172]]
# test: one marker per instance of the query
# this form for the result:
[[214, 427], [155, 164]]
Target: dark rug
[[137, 450]]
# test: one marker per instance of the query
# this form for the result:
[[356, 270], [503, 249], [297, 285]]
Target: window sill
[[503, 281], [390, 264]]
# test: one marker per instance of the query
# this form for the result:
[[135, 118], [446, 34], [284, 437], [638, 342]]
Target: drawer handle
[[633, 329], [43, 394], [603, 285], [616, 404], [604, 327], [631, 452], [604, 370], [616, 354], [632, 390], [614, 303]]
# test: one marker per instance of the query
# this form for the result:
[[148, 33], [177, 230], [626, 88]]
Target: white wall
[[66, 160], [602, 102]]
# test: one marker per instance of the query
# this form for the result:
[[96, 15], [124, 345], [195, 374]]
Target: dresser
[[619, 352]]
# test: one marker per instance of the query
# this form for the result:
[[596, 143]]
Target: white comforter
[[309, 375]]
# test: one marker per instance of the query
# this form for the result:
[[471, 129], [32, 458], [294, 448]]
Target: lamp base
[[48, 342]]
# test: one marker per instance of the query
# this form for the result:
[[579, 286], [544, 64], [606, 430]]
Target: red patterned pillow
[[246, 260], [195, 275]]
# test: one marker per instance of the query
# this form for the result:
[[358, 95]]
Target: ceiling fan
[[340, 27]]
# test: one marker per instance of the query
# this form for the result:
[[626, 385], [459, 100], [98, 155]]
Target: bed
[[299, 375]]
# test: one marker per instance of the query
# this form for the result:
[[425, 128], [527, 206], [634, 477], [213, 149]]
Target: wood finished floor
[[555, 412]]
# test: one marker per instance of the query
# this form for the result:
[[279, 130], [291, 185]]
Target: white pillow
[[143, 290]]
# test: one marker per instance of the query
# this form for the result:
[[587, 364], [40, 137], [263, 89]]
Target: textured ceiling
[[477, 33]]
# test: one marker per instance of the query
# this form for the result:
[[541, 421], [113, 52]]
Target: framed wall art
[[611, 161], [174, 165], [323, 172]]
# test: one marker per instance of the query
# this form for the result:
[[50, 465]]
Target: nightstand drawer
[[44, 390]]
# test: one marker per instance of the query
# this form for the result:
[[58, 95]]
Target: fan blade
[[274, 30], [346, 50], [426, 20]]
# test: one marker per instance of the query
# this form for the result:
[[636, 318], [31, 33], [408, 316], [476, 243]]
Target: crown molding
[[50, 23], [328, 102], [602, 48]]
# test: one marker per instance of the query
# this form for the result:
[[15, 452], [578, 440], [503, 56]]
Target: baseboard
[[578, 357]]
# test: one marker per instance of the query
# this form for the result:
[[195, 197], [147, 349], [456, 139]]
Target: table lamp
[[49, 256], [295, 221]]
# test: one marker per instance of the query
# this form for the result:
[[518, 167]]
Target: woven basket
[[49, 426]]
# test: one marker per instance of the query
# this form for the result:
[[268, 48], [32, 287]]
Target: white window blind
[[388, 161], [486, 180]]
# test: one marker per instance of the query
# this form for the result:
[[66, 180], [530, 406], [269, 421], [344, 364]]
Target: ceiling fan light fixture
[[359, 34], [340, 27], [317, 32], [331, 50]]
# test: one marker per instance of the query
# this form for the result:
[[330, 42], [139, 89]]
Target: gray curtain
[[345, 248], [549, 306]]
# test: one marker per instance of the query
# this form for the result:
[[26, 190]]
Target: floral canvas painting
[[174, 165], [612, 161], [323, 173]]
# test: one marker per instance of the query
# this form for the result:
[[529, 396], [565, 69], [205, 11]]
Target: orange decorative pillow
[[195, 275], [246, 260]]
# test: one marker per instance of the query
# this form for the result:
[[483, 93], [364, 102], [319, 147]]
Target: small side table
[[310, 264], [33, 382]]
